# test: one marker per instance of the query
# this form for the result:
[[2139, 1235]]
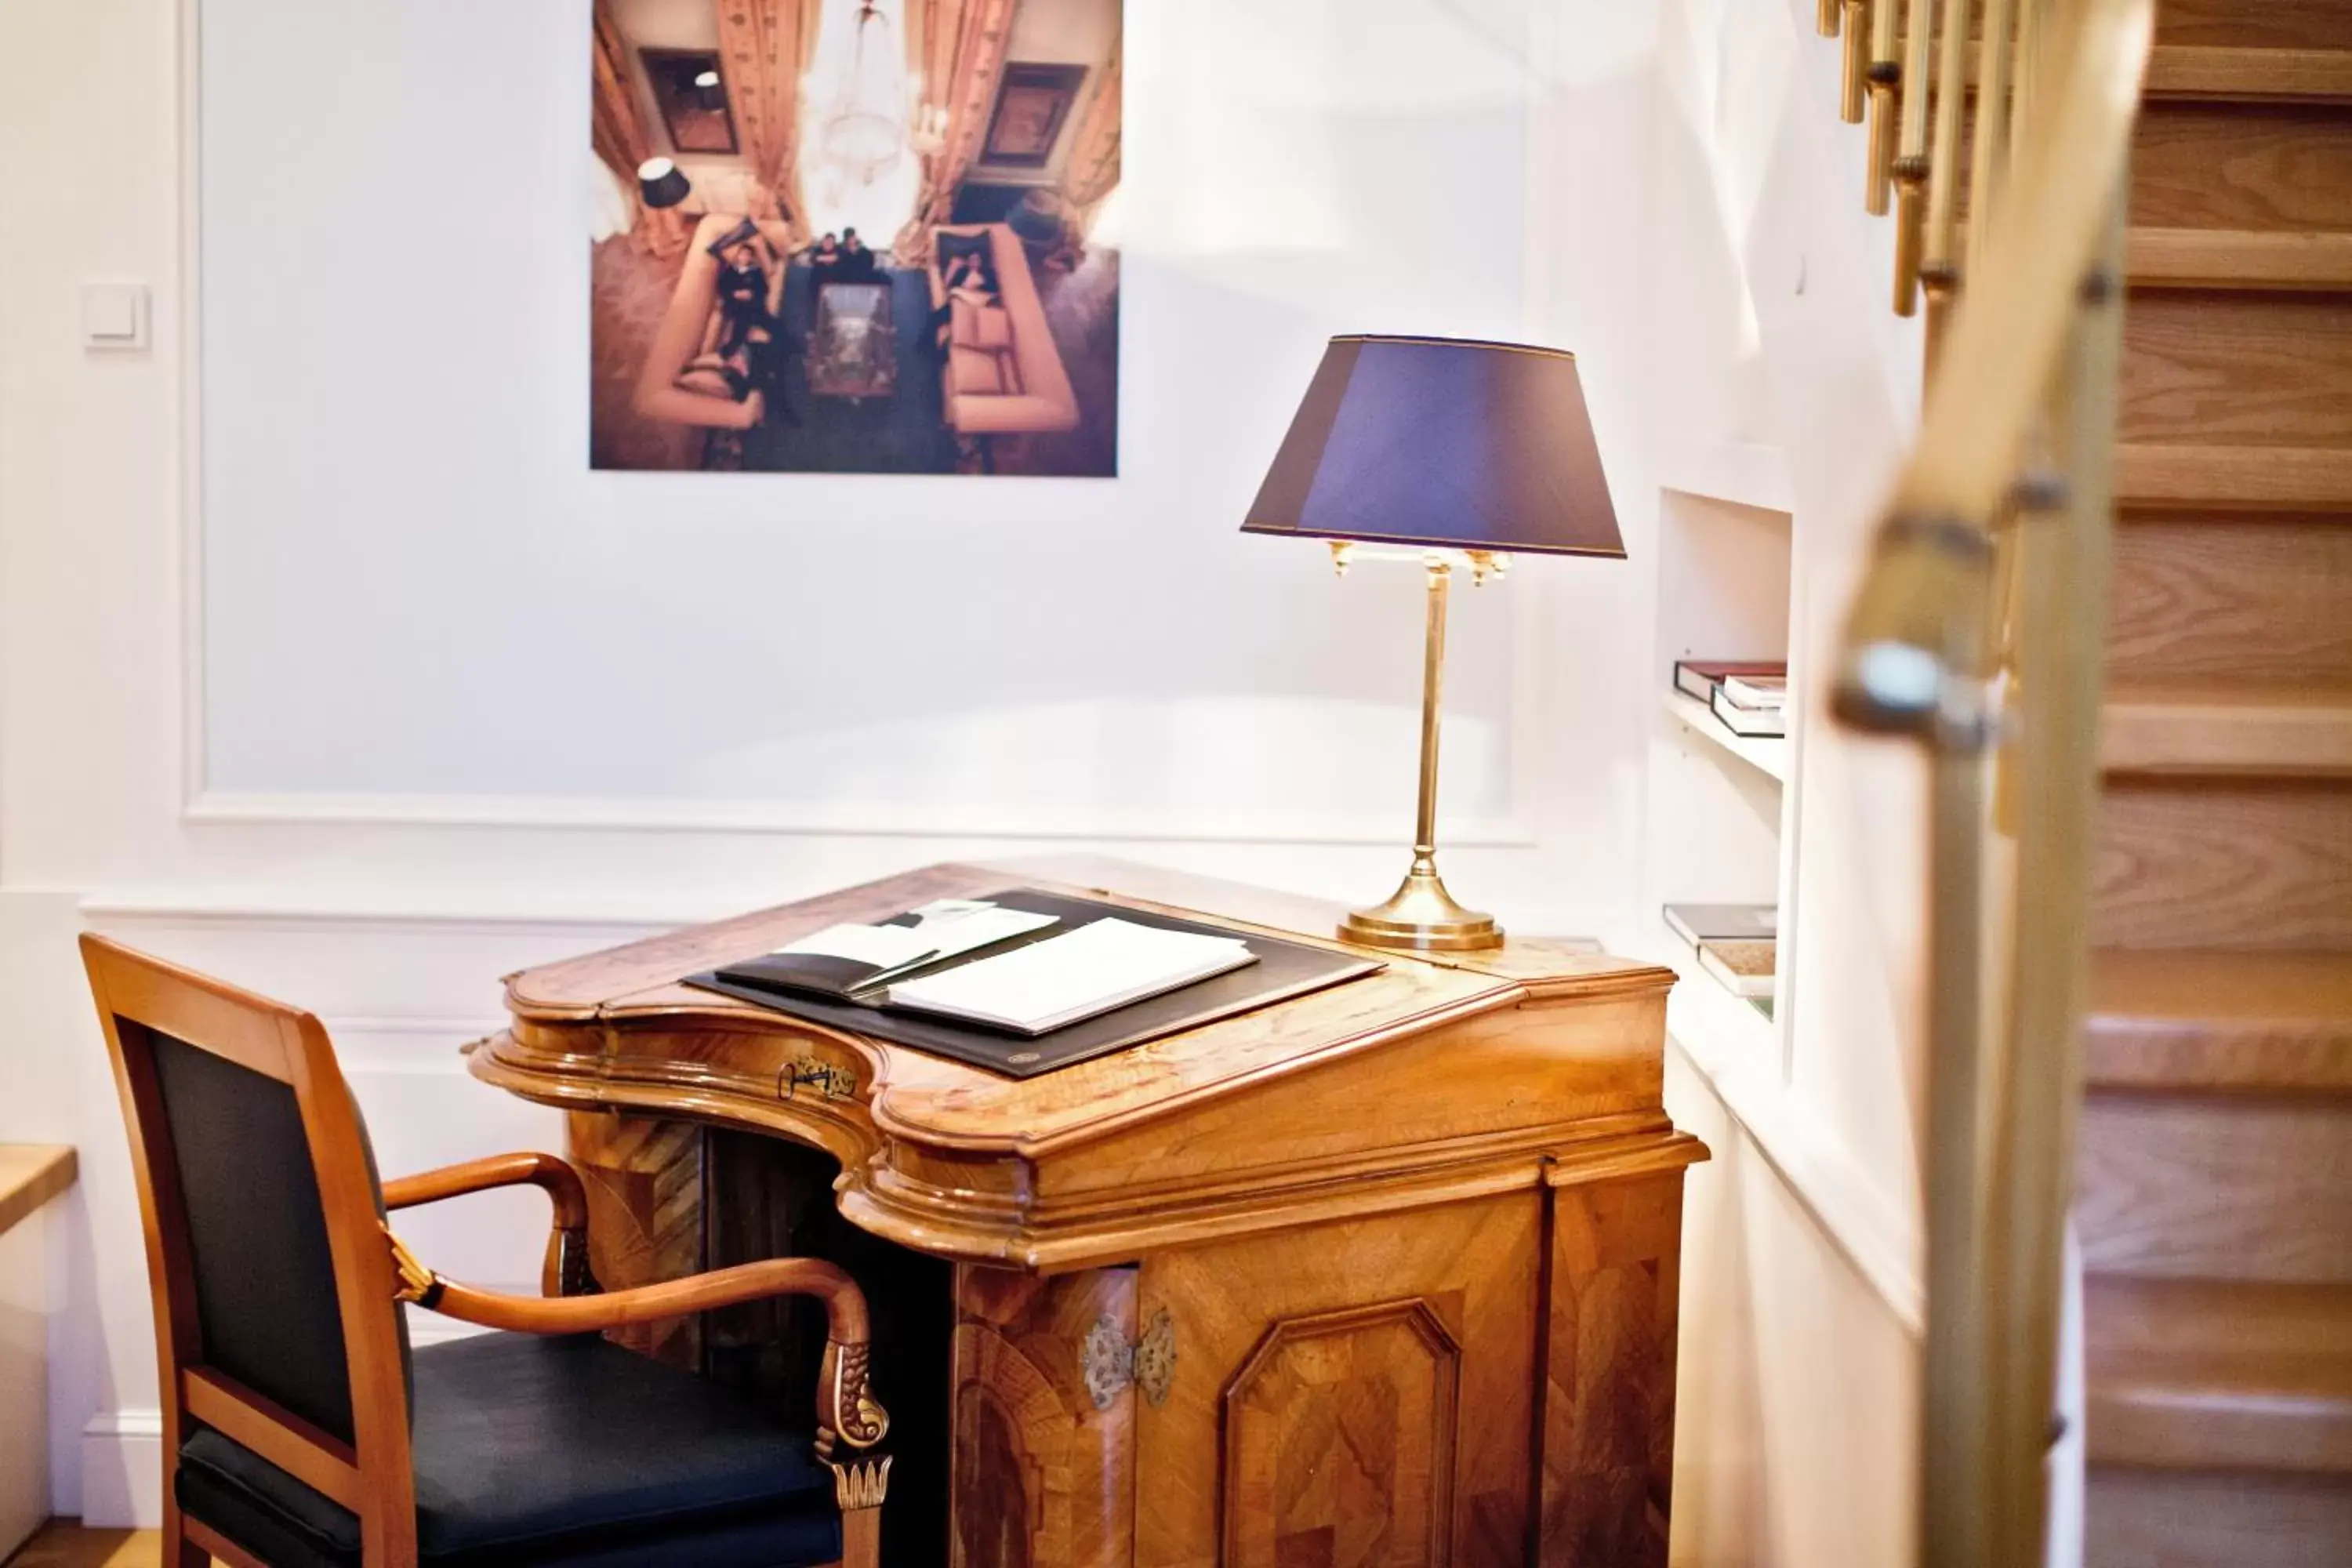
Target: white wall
[[1801, 1294], [325, 663]]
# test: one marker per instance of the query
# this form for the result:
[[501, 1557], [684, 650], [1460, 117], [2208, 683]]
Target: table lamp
[[662, 184], [1456, 451]]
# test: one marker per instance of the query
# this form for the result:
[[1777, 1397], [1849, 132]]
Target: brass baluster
[[1910, 170], [1825, 17], [1856, 59], [1988, 154], [1884, 78], [1939, 269], [2031, 33]]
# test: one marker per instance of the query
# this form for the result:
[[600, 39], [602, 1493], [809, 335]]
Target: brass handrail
[[2026, 363]]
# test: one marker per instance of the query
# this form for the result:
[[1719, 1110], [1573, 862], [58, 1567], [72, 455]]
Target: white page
[[885, 947], [1102, 963]]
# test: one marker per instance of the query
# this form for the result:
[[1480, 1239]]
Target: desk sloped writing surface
[[1347, 1208]]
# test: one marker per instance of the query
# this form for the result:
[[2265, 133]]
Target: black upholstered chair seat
[[541, 1451]]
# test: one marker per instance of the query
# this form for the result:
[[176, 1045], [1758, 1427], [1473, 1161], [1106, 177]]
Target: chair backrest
[[276, 1323]]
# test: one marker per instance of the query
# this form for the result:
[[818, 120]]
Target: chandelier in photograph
[[863, 129]]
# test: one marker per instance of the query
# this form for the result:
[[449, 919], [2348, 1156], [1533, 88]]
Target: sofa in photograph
[[1001, 375], [685, 329]]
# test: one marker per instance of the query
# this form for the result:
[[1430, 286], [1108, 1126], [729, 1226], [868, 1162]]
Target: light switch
[[114, 315]]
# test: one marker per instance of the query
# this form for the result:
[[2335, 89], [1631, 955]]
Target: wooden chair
[[299, 1431]]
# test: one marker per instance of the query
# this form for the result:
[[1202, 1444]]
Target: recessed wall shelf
[[1767, 756], [1748, 473]]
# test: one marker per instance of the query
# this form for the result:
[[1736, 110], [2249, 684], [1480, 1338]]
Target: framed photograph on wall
[[818, 249], [1031, 106], [691, 90]]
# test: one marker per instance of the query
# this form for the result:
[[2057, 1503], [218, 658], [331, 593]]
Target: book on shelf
[[1700, 678], [1696, 923], [1756, 691], [1749, 724], [1746, 968]]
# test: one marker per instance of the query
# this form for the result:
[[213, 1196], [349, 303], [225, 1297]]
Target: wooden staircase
[[2215, 1174]]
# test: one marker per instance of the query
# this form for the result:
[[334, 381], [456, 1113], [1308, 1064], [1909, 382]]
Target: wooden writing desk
[[1383, 1275]]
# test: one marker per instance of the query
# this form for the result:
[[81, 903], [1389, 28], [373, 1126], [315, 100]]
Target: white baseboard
[[122, 1470]]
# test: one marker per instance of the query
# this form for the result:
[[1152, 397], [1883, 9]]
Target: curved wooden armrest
[[561, 1184], [566, 1270], [845, 1405]]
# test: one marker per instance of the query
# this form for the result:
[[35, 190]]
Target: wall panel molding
[[1132, 825]]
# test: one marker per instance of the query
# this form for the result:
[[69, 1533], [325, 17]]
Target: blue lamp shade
[[662, 184], [1444, 443]]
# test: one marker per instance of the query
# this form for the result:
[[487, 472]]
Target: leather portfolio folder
[[1284, 969]]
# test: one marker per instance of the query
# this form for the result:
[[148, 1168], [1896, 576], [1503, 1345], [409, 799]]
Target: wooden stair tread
[[2240, 479], [2219, 1376], [2221, 259], [2215, 730], [2230, 74], [30, 1175], [2248, 75], [2208, 1019]]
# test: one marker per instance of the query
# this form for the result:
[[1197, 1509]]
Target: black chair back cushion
[[264, 1281]]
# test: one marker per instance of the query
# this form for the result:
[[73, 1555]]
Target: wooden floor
[[65, 1544]]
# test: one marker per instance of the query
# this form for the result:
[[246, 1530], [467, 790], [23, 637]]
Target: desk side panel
[[645, 1181], [1044, 1420], [1608, 1429]]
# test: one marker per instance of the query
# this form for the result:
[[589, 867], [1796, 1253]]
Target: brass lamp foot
[[1421, 916]]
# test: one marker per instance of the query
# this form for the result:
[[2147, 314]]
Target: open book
[[1072, 976]]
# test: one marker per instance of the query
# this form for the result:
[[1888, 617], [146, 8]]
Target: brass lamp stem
[[1433, 690], [1421, 915]]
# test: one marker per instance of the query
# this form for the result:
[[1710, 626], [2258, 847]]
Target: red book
[[1699, 677]]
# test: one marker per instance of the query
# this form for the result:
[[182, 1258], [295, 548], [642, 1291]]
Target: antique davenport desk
[[1384, 1275]]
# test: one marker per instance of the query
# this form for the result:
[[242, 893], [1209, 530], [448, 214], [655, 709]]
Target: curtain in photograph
[[618, 135], [768, 45], [1092, 172], [962, 45]]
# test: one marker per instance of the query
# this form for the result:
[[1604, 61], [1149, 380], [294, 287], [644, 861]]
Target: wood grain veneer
[[2179, 1187], [2238, 72], [2211, 730], [2242, 166], [2236, 370], [1413, 1241], [2257, 600], [2220, 1021], [2218, 480], [2219, 1376], [2234, 259], [2249, 864], [2254, 23]]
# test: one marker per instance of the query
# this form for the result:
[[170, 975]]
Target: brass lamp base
[[1421, 916]]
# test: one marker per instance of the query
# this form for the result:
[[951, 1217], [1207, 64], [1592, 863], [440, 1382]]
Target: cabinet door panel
[[1348, 1395]]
